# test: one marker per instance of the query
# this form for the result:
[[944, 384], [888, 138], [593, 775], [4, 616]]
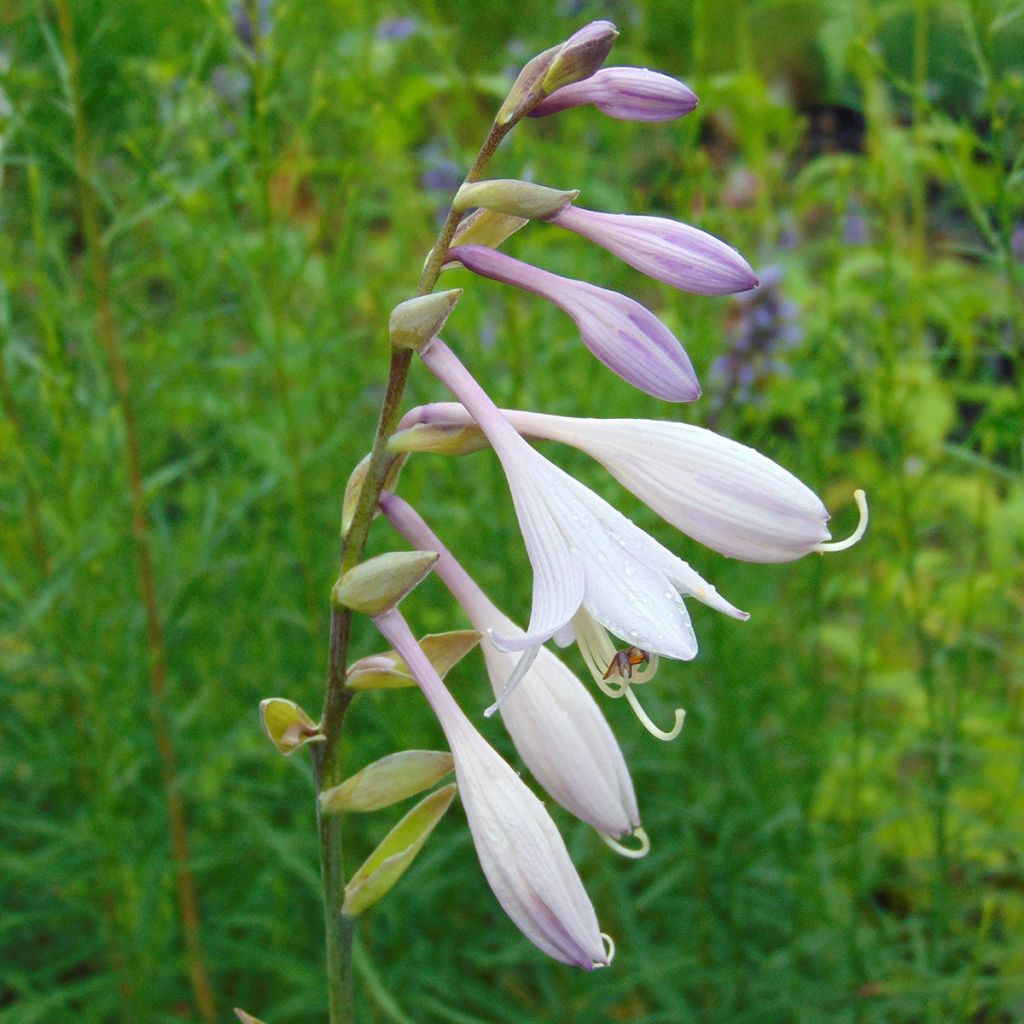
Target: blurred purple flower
[[252, 21], [762, 326], [397, 28]]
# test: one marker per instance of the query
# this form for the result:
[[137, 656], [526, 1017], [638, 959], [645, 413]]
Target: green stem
[[188, 903], [339, 930]]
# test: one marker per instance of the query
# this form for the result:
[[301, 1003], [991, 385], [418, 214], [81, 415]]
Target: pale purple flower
[[630, 340], [630, 94], [584, 553], [521, 852], [678, 254], [555, 724], [729, 497]]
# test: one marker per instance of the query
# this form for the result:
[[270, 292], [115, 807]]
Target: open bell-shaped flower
[[555, 724], [729, 497], [584, 553], [521, 852], [629, 339]]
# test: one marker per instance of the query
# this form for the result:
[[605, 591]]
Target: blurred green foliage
[[838, 832]]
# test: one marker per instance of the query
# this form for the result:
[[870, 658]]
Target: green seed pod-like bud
[[387, 781], [518, 198], [355, 486], [580, 56], [287, 726], [439, 438], [397, 850], [417, 321], [487, 227], [377, 585], [527, 90]]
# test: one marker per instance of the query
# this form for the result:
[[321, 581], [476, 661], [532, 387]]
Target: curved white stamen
[[609, 948], [641, 851], [518, 674], [613, 686], [596, 647], [862, 525], [646, 722], [645, 673]]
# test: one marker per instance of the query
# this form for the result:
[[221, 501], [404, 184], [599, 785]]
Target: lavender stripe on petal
[[678, 254], [629, 94], [629, 339]]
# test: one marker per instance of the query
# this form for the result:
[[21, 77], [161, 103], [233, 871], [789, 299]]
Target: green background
[[837, 833]]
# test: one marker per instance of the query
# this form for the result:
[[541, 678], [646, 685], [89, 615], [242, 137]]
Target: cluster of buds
[[598, 579]]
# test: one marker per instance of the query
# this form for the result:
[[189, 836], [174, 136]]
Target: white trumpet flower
[[555, 724], [729, 497], [584, 553], [519, 847]]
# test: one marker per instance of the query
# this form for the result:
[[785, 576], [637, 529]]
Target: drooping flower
[[729, 497], [555, 724], [630, 340], [630, 94], [584, 553], [667, 250], [521, 852]]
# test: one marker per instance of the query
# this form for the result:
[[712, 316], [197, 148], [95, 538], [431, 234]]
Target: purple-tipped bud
[[581, 55], [629, 339], [682, 256], [630, 94]]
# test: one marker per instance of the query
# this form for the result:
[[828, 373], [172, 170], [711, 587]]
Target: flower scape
[[599, 581]]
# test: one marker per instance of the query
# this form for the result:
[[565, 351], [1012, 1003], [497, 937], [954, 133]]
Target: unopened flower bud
[[581, 55], [374, 586], [439, 438], [387, 781], [577, 58], [519, 198], [527, 89], [630, 94], [416, 321]]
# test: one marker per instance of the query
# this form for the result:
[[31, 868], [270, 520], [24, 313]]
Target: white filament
[[862, 525]]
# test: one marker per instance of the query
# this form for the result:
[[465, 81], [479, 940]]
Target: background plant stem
[[188, 903]]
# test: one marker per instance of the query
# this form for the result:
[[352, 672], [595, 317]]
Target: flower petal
[[630, 94], [667, 250], [629, 339]]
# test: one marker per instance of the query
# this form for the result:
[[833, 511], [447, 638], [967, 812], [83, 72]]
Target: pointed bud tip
[[581, 55], [415, 322], [379, 584]]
